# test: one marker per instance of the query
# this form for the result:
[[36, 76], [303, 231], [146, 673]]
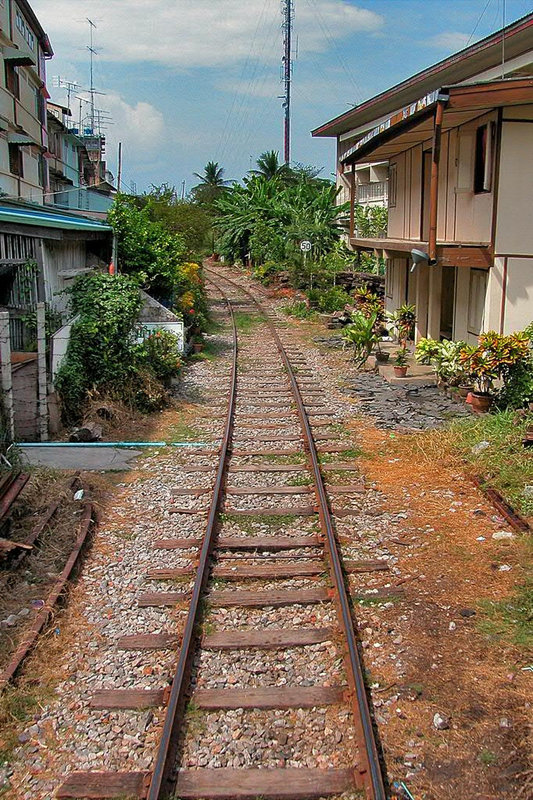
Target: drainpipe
[[434, 185], [352, 202]]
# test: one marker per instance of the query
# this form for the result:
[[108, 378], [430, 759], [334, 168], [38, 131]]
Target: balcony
[[372, 193]]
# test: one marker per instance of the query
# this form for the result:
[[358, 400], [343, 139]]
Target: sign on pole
[[305, 246]]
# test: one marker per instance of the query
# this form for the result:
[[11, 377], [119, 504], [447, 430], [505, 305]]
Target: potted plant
[[400, 363], [489, 362], [382, 356], [197, 344]]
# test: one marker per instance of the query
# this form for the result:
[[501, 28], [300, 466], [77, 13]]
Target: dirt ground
[[451, 570]]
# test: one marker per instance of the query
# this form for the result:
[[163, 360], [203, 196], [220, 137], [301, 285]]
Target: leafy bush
[[445, 358], [494, 357], [517, 389], [299, 310], [361, 336], [160, 354], [264, 272], [328, 301], [102, 354]]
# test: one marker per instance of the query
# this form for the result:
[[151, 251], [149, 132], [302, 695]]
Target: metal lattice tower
[[287, 9]]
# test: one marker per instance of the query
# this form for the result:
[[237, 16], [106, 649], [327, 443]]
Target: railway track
[[268, 548]]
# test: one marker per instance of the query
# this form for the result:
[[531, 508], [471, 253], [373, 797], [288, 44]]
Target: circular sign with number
[[305, 246]]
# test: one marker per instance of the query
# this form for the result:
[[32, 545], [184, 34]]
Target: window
[[483, 159], [393, 182], [15, 160], [389, 277], [12, 79], [476, 300]]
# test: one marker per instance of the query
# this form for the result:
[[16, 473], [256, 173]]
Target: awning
[[48, 219], [19, 58], [21, 139]]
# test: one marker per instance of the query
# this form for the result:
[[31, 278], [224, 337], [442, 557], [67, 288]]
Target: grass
[[246, 322], [300, 480], [511, 619], [487, 757], [291, 458], [182, 432], [17, 705], [210, 352], [249, 524], [354, 452]]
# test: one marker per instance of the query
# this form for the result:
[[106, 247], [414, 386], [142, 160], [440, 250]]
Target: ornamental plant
[[361, 335], [403, 321], [160, 354], [444, 357], [493, 358]]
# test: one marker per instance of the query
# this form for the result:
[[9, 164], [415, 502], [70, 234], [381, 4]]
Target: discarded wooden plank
[[349, 488], [226, 783], [179, 510], [267, 542], [267, 511], [262, 599], [266, 639], [177, 544], [127, 698], [161, 599], [389, 591], [268, 468], [267, 571], [281, 697], [103, 785], [266, 490], [148, 641], [376, 565]]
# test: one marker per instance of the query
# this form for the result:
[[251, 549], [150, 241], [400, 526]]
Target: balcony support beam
[[434, 185], [352, 202]]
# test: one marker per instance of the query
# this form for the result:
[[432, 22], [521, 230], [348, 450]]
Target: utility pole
[[119, 169], [93, 53], [287, 10]]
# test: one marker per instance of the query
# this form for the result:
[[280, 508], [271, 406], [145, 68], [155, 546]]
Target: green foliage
[[371, 221], [403, 321], [186, 218], [271, 216], [299, 310], [147, 249], [506, 463], [445, 358], [160, 354], [264, 272], [493, 358], [328, 301], [369, 303], [400, 359], [361, 336], [510, 619], [517, 389], [102, 355]]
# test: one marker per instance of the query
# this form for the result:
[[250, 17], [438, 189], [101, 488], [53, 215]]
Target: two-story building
[[458, 141]]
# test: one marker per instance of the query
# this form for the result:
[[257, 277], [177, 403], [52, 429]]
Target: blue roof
[[24, 215]]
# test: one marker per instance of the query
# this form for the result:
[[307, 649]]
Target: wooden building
[[458, 140]]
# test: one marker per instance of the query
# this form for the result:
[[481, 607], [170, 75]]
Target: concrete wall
[[25, 399]]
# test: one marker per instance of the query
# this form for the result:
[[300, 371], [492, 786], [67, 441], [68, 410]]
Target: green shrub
[[333, 299], [160, 355], [299, 309]]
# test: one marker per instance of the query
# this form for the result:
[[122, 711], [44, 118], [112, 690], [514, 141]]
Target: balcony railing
[[372, 192]]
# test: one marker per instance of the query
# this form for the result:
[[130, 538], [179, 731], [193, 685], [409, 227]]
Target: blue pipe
[[108, 444]]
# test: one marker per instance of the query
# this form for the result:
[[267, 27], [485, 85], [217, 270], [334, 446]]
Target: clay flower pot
[[381, 357], [480, 402], [464, 391], [198, 347], [400, 372]]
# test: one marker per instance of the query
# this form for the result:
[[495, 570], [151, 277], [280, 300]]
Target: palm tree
[[269, 166], [213, 175]]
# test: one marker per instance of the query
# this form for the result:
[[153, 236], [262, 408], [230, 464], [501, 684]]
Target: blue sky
[[188, 81]]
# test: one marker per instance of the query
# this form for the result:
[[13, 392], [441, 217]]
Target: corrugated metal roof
[[49, 219]]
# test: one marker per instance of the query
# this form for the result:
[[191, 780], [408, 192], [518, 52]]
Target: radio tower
[[92, 52], [287, 10]]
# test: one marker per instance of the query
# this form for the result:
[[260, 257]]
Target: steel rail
[[162, 765], [372, 775]]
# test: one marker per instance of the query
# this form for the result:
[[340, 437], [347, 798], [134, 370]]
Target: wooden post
[[42, 381], [5, 363], [352, 202], [434, 185]]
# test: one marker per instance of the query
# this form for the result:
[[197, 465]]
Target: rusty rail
[[512, 516], [371, 776], [162, 764]]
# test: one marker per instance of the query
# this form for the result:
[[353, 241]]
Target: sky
[[192, 81]]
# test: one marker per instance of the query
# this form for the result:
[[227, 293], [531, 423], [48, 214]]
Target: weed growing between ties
[[245, 322], [250, 524], [17, 706]]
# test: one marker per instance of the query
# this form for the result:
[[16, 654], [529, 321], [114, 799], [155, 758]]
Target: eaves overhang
[[461, 66]]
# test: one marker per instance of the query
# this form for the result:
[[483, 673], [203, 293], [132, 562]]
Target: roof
[[414, 123], [27, 214], [41, 33], [456, 68]]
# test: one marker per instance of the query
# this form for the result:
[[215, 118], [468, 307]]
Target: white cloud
[[140, 127], [451, 41], [199, 33]]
